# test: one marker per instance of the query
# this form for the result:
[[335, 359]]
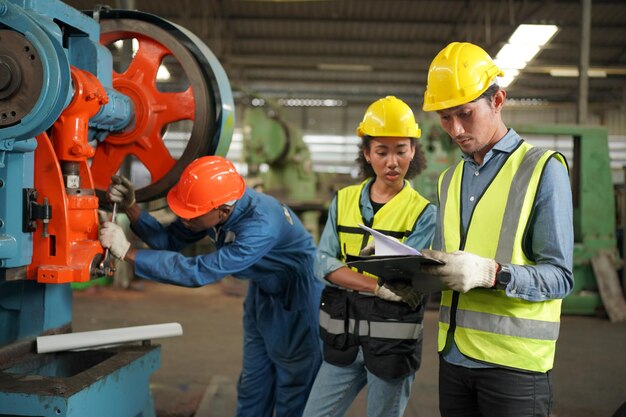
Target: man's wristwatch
[[503, 277]]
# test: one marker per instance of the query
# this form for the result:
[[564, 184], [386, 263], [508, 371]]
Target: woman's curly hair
[[417, 165]]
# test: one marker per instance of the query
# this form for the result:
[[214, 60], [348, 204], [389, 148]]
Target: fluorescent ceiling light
[[533, 34], [509, 64], [573, 72], [522, 47], [507, 79], [311, 102], [516, 56]]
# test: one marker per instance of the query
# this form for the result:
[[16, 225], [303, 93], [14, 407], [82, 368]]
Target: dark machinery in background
[[68, 121]]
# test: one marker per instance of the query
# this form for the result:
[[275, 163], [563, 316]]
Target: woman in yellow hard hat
[[372, 334]]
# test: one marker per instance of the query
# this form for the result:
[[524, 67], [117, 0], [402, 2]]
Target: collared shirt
[[551, 236], [328, 251]]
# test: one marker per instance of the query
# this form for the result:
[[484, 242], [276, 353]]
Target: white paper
[[109, 337], [388, 246]]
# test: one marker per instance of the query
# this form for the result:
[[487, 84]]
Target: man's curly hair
[[417, 165]]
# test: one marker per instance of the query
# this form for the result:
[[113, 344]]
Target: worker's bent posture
[[258, 239], [506, 232]]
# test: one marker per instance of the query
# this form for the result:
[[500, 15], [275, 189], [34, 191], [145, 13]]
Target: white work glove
[[462, 271], [112, 236], [121, 191], [386, 294]]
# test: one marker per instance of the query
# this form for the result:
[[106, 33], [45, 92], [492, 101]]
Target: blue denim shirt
[[551, 226], [328, 251]]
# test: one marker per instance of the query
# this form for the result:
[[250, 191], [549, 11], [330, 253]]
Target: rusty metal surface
[[10, 354], [28, 373]]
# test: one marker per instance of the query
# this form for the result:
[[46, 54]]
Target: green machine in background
[[269, 139], [279, 163], [596, 255], [440, 151]]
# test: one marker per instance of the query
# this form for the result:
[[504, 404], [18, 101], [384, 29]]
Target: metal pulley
[[205, 102]]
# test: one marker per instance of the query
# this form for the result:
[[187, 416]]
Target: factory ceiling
[[358, 50]]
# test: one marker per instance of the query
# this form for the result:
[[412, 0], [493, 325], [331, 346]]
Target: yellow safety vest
[[486, 324], [390, 333], [397, 218]]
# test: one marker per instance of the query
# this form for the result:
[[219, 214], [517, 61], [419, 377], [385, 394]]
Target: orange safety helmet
[[205, 184]]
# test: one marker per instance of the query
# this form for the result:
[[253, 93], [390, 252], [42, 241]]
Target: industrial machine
[[596, 255], [69, 119], [270, 141]]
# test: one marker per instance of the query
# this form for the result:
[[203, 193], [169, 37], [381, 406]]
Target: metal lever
[[106, 265]]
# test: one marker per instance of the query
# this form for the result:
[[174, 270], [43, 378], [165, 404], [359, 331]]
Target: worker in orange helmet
[[258, 239]]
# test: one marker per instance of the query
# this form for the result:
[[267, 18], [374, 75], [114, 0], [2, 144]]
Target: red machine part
[[60, 257], [71, 252], [154, 110]]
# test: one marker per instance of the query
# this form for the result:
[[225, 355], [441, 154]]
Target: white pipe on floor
[[100, 338]]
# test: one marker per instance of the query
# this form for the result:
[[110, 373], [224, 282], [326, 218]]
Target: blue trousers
[[492, 392], [336, 387], [281, 356]]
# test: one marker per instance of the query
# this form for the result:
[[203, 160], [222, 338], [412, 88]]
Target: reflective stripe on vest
[[397, 218], [509, 326], [378, 329], [489, 326]]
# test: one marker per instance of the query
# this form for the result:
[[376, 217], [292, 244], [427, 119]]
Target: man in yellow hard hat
[[372, 333], [257, 239], [505, 233]]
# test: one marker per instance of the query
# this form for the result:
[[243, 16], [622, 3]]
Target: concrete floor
[[199, 370]]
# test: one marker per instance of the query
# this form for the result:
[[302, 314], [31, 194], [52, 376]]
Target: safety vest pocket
[[337, 328], [393, 328], [335, 322]]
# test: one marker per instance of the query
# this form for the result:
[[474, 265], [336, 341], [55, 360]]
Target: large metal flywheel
[[206, 102]]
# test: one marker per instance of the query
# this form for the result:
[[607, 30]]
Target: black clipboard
[[400, 268]]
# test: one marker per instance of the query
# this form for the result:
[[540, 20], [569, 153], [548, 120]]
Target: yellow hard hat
[[460, 73], [389, 117]]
